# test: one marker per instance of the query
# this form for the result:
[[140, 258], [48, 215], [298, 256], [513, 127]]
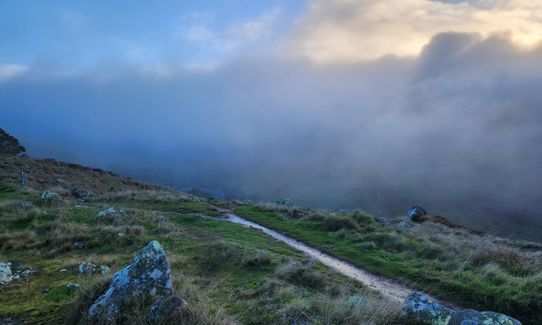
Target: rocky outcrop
[[417, 214], [10, 145], [418, 309], [147, 275]]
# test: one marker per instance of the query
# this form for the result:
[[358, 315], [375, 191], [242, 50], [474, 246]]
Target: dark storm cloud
[[457, 129]]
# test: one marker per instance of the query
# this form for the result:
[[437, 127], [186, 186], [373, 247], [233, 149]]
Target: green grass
[[226, 272], [515, 287]]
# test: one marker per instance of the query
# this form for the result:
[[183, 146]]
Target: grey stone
[[82, 194], [167, 310], [72, 286], [79, 245], [417, 214], [22, 205], [419, 309], [147, 274], [87, 268], [104, 269], [5, 273], [111, 212]]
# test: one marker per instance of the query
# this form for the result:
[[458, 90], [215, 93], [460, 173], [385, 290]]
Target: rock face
[[5, 273], [10, 145], [420, 310], [147, 274]]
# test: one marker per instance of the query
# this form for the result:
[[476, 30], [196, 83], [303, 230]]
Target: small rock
[[79, 245], [72, 286], [86, 268], [356, 301], [63, 271], [148, 273], [51, 198], [45, 290], [417, 214], [24, 274], [285, 202], [23, 205], [5, 273], [111, 212], [167, 310], [82, 194], [104, 269]]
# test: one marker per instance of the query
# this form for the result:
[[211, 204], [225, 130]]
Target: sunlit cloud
[[8, 71], [358, 30]]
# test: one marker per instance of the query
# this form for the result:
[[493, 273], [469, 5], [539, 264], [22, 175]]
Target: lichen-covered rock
[[473, 317], [147, 274], [51, 198], [87, 269], [5, 273], [419, 309], [104, 269], [167, 310], [111, 212]]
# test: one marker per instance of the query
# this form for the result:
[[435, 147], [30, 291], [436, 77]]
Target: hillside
[[62, 249]]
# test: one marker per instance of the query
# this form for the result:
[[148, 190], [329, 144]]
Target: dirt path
[[386, 287]]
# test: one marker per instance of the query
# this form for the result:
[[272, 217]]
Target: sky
[[378, 105]]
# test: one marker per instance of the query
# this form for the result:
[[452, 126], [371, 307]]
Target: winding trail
[[386, 287]]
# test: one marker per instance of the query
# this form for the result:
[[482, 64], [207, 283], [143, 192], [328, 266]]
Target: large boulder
[[147, 275], [167, 310], [417, 214], [418, 309]]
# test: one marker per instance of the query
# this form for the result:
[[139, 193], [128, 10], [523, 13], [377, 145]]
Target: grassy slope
[[227, 273], [474, 277]]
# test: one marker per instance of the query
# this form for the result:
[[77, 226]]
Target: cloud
[[456, 129], [358, 30], [8, 71], [232, 37]]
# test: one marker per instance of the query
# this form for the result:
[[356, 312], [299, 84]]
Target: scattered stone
[[357, 301], [63, 271], [23, 274], [5, 273], [51, 198], [72, 286], [79, 245], [104, 269], [111, 212], [167, 310], [87, 268], [82, 194], [23, 205], [417, 214], [419, 309], [147, 274], [285, 202]]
